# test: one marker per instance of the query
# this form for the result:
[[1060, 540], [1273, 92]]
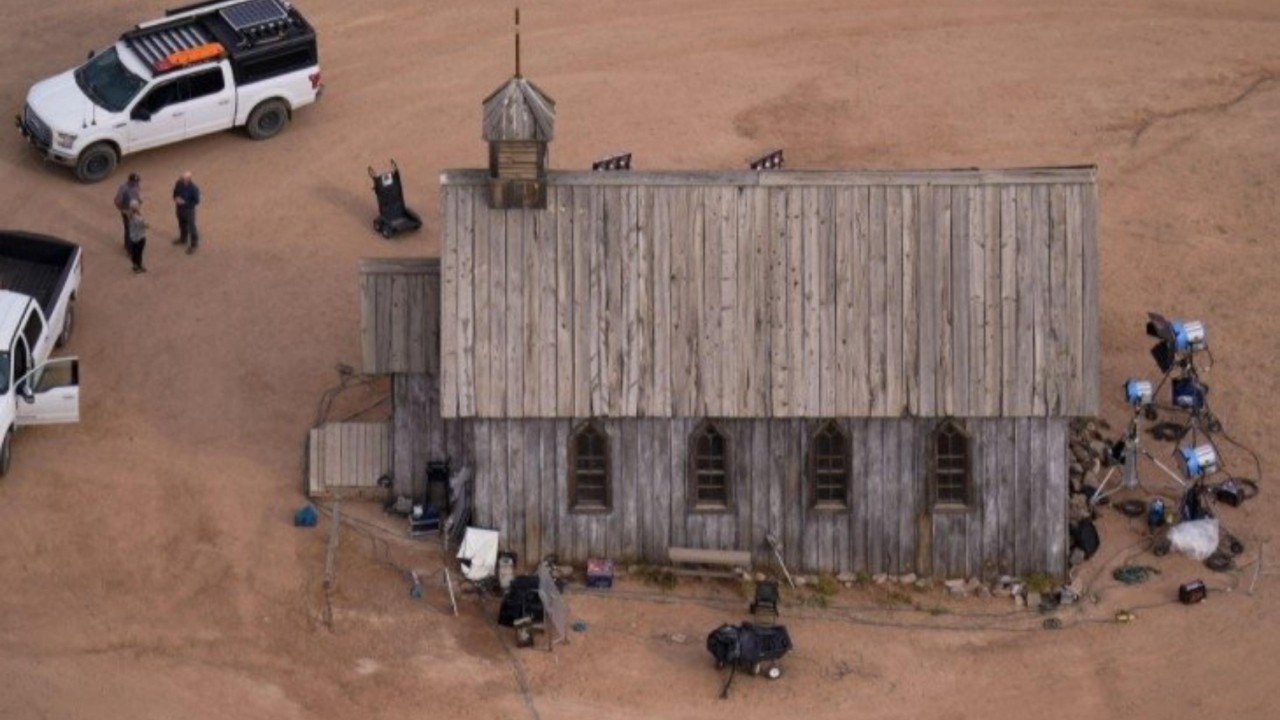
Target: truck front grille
[[37, 127]]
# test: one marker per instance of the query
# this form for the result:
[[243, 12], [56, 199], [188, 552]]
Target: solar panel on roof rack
[[254, 13]]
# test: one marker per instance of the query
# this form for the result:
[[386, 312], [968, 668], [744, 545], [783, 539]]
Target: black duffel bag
[[521, 600]]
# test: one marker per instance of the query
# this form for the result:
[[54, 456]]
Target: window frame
[[191, 86], [951, 426], [693, 485], [846, 452], [575, 506]]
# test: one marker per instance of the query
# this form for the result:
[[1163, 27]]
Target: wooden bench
[[682, 558]]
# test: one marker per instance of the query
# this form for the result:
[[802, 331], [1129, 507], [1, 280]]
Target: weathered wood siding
[[1015, 524], [419, 435], [790, 294], [400, 315], [347, 457]]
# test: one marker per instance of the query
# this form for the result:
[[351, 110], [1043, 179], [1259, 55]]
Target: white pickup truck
[[39, 279], [200, 69]]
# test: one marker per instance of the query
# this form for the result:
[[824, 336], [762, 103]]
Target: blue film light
[[1187, 335], [1199, 461], [1138, 393]]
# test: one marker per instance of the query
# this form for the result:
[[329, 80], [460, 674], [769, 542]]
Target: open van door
[[50, 393]]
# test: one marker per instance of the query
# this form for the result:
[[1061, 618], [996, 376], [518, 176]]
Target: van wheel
[[96, 162], [267, 120], [6, 453], [68, 323]]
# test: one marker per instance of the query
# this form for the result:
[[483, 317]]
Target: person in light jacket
[[137, 236]]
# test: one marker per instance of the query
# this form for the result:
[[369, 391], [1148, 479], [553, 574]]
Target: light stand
[[1129, 466]]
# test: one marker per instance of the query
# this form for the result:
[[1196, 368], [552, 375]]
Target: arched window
[[830, 467], [709, 469], [951, 477], [589, 469]]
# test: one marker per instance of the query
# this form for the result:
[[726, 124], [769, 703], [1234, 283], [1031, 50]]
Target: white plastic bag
[[1195, 538]]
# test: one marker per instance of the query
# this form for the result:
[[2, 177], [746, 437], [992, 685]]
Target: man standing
[[186, 196], [129, 192]]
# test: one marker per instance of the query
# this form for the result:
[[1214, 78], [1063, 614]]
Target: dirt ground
[[148, 564]]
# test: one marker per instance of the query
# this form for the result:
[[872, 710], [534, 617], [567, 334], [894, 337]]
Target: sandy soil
[[148, 564]]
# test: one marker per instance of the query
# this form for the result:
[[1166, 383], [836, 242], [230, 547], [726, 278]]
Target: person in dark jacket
[[130, 191], [186, 196]]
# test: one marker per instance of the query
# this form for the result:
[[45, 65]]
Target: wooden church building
[[877, 368]]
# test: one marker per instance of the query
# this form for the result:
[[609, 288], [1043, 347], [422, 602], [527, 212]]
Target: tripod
[[1129, 466]]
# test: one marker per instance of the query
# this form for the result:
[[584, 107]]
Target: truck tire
[[267, 119], [96, 162], [6, 453], [68, 324]]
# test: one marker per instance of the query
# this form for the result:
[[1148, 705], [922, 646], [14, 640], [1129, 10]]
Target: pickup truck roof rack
[[186, 34]]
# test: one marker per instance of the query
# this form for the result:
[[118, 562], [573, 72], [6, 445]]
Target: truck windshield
[[107, 82], [4, 371]]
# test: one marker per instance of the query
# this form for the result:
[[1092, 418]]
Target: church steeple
[[519, 121]]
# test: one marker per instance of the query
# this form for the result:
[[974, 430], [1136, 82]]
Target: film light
[[771, 160], [616, 161], [1138, 393], [1188, 336], [1199, 461]]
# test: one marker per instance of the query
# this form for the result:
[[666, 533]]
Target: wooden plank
[[630, 475], [563, 519], [909, 486], [683, 349], [876, 381], [678, 456], [860, 494], [518, 489], [631, 331], [484, 406], [974, 519], [860, 328], [797, 370], [1024, 403], [597, 309], [777, 472], [778, 289], [943, 312], [660, 402], [368, 323], [643, 337], [875, 495], [728, 352], [910, 302], [1089, 234], [514, 344], [565, 325], [927, 305], [315, 462], [826, 295], [710, 357], [1055, 501], [1006, 495], [1057, 400], [332, 454], [1074, 332], [960, 301], [1041, 375], [975, 176], [844, 302], [744, 327], [758, 517], [702, 556], [548, 324], [1038, 464], [420, 311], [893, 405], [582, 299], [398, 360], [534, 331], [793, 495], [465, 231], [615, 337], [890, 489], [482, 492], [548, 480], [759, 384], [1024, 464], [991, 341], [988, 437], [496, 393], [449, 304], [1008, 301]]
